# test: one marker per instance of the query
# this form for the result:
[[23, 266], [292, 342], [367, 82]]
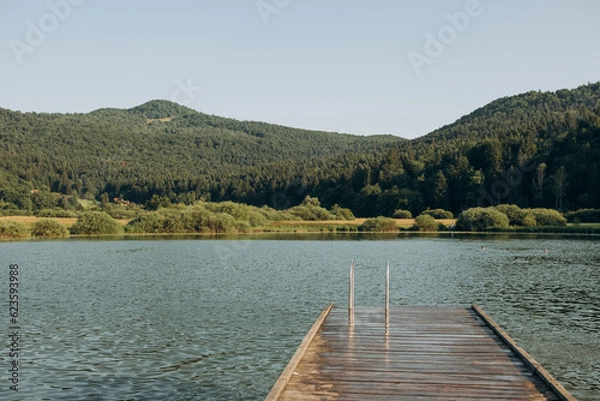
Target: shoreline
[[307, 235], [331, 228]]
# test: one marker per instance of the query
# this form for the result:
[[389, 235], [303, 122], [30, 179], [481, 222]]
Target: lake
[[207, 319]]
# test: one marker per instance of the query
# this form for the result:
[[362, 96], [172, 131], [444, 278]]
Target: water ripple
[[218, 320]]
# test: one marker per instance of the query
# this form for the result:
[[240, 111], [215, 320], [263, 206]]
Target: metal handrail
[[351, 294]]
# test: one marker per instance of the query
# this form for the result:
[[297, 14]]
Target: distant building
[[121, 201]]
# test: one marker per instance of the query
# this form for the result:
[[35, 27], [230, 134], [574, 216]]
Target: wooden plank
[[532, 363], [287, 373], [426, 353]]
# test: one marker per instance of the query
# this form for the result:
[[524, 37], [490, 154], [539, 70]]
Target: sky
[[361, 67]]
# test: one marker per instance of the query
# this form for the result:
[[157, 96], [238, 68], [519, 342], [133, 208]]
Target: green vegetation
[[122, 212], [310, 209], [94, 223], [379, 224], [426, 223], [48, 228], [537, 150], [228, 217], [13, 230], [342, 213], [439, 213], [508, 216], [481, 219], [532, 217], [547, 217], [402, 214], [584, 216], [515, 215], [192, 219], [184, 157], [199, 218], [56, 213], [15, 212]]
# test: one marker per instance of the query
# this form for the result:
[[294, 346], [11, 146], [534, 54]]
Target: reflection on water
[[218, 320]]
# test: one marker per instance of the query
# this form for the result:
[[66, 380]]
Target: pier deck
[[425, 353]]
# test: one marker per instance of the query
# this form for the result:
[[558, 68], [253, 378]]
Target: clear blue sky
[[336, 65]]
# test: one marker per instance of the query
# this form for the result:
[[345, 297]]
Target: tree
[[387, 202], [157, 202], [560, 179], [44, 200], [104, 200], [310, 201], [538, 181], [402, 214], [440, 190]]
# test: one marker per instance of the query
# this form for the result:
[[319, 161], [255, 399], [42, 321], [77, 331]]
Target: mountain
[[534, 149]]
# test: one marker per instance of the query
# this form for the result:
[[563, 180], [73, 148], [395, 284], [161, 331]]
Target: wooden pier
[[422, 353]]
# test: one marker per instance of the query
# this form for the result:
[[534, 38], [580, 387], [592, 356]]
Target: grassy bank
[[207, 218], [65, 221], [283, 226]]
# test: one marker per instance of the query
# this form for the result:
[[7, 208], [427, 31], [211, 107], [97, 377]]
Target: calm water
[[219, 319]]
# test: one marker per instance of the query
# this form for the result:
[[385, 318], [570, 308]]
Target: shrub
[[342, 213], [481, 219], [527, 220], [15, 212], [237, 210], [439, 213], [193, 219], [122, 212], [223, 223], [256, 219], [311, 213], [584, 216], [159, 221], [204, 221], [548, 217], [96, 223], [49, 228], [250, 215], [402, 214], [310, 210], [276, 215], [13, 230], [379, 224], [426, 222], [513, 212], [56, 213]]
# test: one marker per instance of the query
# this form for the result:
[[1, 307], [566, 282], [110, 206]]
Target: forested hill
[[157, 148], [534, 149]]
